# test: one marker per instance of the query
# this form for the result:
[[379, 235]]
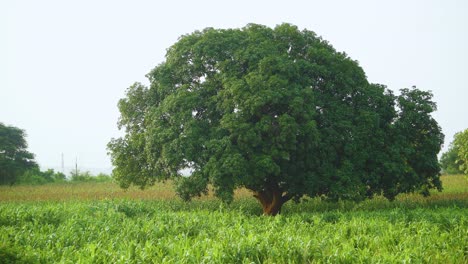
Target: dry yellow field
[[455, 188]]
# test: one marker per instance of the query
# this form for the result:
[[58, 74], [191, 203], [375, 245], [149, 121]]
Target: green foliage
[[418, 139], [37, 177], [14, 157], [78, 176], [9, 254], [102, 177], [277, 111], [33, 177], [461, 144], [449, 161], [120, 231]]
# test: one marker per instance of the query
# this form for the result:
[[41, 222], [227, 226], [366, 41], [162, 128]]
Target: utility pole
[[76, 166], [63, 165]]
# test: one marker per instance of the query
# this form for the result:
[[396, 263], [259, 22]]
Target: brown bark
[[271, 199]]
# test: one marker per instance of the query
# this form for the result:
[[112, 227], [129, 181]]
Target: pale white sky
[[65, 64]]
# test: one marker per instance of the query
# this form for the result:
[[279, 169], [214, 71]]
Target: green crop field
[[100, 223]]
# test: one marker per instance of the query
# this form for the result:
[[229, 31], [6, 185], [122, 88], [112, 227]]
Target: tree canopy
[[279, 112], [461, 142], [14, 157], [449, 161], [456, 158]]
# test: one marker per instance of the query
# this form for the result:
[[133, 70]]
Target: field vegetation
[[273, 122], [100, 223]]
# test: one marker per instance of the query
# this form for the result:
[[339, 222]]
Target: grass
[[93, 191], [83, 191], [99, 223], [455, 188]]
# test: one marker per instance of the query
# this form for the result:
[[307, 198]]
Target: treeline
[[17, 164], [38, 177]]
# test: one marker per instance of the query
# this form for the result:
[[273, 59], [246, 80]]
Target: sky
[[65, 64]]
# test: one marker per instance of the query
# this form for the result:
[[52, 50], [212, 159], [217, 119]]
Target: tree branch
[[286, 197]]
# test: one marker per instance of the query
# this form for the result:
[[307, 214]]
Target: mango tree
[[279, 112]]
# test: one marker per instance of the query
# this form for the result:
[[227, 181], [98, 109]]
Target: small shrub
[[78, 176]]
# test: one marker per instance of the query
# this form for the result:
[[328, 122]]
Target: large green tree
[[279, 112], [15, 159]]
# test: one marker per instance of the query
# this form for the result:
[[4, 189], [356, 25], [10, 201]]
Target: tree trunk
[[271, 199]]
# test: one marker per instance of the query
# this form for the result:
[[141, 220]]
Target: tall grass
[[126, 231], [99, 223], [455, 188]]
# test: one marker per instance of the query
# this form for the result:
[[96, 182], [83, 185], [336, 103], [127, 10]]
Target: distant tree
[[79, 176], [35, 176], [449, 161], [460, 143], [279, 112], [53, 176], [86, 176], [56, 176], [14, 157], [102, 177]]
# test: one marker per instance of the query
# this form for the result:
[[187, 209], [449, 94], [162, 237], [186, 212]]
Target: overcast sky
[[65, 64]]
